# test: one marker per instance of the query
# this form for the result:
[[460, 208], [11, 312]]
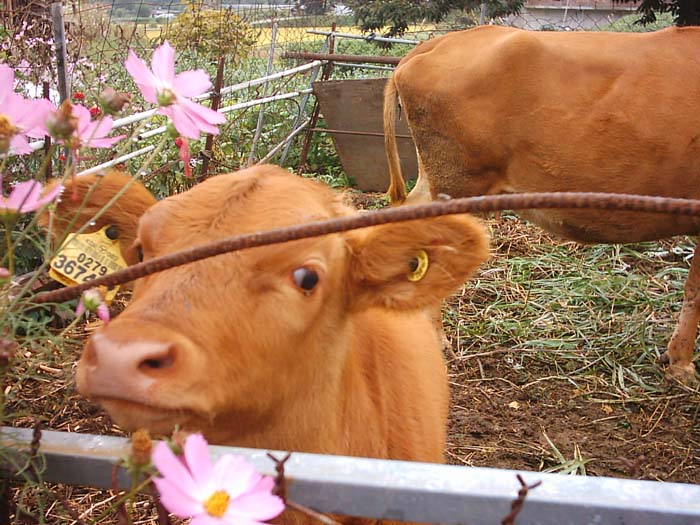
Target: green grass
[[582, 309]]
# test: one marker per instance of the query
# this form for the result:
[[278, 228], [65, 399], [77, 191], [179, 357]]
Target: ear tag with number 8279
[[87, 256]]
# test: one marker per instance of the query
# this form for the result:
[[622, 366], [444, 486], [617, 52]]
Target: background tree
[[685, 12], [397, 15]]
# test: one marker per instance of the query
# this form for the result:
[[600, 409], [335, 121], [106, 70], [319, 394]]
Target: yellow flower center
[[166, 97], [7, 130], [217, 503]]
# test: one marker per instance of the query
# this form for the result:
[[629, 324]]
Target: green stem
[[8, 242]]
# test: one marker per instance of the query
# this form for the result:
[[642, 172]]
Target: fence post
[[59, 38], [317, 108], [215, 101], [261, 113], [47, 139], [305, 100]]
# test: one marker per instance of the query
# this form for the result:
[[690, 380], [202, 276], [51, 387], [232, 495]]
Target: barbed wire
[[585, 200]]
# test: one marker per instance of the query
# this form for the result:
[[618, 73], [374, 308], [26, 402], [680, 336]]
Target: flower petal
[[49, 196], [163, 63], [103, 125], [260, 506], [189, 118], [24, 196], [203, 113], [176, 500], [20, 145], [199, 461], [41, 109], [106, 142], [174, 470], [182, 122], [235, 475], [7, 81], [80, 310], [191, 83], [103, 313], [207, 519], [143, 77]]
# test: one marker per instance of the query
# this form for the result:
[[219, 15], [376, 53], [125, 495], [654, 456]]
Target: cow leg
[[420, 194], [682, 343]]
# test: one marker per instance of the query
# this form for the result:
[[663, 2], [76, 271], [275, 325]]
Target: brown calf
[[318, 345], [502, 110]]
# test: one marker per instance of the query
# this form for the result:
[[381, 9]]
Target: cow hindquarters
[[682, 343]]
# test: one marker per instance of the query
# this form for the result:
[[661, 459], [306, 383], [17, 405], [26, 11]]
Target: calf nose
[[125, 370]]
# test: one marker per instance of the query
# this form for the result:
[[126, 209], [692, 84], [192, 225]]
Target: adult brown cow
[[319, 345], [502, 110]]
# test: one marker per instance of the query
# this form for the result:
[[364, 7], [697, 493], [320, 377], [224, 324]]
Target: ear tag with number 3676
[[87, 256]]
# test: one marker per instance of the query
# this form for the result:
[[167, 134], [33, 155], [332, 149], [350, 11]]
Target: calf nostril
[[159, 362]]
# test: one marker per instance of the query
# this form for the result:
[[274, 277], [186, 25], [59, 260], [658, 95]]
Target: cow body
[[319, 345], [500, 110]]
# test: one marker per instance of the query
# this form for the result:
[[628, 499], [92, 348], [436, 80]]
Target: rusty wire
[[604, 201]]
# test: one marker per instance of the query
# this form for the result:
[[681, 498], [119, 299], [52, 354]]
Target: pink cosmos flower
[[92, 300], [19, 117], [88, 133], [228, 492], [171, 92], [25, 197]]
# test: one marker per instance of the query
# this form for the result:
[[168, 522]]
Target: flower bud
[[63, 123], [141, 448], [113, 101], [92, 301]]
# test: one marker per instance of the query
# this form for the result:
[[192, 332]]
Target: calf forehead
[[255, 199]]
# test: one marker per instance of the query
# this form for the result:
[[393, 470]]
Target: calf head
[[86, 195], [229, 344]]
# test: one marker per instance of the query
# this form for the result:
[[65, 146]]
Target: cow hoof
[[682, 373]]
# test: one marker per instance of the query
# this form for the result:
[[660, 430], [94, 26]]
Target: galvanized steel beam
[[402, 490]]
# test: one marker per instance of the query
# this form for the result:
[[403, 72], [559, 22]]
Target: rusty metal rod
[[352, 59], [361, 133], [602, 201]]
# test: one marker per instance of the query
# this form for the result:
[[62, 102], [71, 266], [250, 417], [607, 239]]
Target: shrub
[[211, 32]]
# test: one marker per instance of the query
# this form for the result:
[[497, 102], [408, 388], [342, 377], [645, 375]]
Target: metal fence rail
[[402, 490]]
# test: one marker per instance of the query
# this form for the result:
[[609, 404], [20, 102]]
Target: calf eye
[[305, 278], [139, 253]]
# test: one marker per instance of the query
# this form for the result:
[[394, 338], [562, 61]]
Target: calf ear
[[412, 265]]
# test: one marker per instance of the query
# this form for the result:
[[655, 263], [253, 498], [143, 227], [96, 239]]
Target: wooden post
[[215, 102], [59, 38], [47, 138]]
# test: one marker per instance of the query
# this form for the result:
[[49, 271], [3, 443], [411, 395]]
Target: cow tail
[[397, 187]]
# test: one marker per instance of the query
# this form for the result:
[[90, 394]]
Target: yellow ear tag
[[419, 266], [87, 256]]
